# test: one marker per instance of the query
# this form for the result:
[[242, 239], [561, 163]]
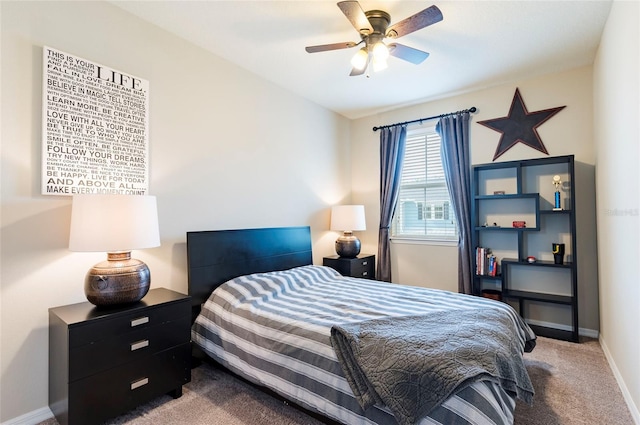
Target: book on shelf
[[493, 265], [486, 262]]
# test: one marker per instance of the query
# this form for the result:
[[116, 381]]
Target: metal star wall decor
[[520, 126]]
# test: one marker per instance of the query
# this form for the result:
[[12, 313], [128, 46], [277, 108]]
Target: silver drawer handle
[[139, 321], [139, 383], [140, 344], [365, 273], [364, 263]]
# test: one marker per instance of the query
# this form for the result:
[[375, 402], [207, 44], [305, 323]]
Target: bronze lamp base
[[119, 280], [348, 245]]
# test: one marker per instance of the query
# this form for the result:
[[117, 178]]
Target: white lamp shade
[[348, 217], [113, 223]]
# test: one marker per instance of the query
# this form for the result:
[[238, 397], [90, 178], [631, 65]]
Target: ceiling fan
[[373, 27]]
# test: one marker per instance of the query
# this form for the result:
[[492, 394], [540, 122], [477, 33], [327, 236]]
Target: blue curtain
[[454, 132], [392, 147]]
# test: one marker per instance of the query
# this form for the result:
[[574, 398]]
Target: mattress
[[274, 330]]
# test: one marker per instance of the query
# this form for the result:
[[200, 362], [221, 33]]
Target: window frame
[[424, 130]]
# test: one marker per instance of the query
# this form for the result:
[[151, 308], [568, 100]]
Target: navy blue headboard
[[215, 256]]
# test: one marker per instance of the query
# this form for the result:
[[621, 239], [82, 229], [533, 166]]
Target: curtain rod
[[472, 110]]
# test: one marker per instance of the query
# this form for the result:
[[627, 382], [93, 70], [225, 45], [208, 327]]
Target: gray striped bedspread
[[274, 329]]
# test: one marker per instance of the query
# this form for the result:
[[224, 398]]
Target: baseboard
[[32, 418], [633, 409], [590, 333]]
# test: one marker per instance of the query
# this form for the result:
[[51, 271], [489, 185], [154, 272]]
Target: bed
[[263, 311]]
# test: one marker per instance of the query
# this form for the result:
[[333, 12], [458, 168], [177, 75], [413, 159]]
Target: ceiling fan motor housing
[[379, 21]]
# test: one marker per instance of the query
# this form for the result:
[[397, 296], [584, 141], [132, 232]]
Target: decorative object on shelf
[[492, 294], [558, 253], [115, 224], [557, 183], [348, 218], [499, 192], [531, 259], [520, 126], [519, 224]]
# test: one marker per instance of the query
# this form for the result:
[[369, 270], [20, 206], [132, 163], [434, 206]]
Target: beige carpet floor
[[573, 384]]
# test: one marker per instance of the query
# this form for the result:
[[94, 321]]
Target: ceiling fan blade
[[407, 53], [356, 16], [333, 46], [427, 17]]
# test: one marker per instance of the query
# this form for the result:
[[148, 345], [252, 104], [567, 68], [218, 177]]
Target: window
[[424, 207]]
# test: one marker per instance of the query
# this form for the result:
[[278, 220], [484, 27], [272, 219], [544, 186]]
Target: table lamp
[[348, 218], [115, 224]]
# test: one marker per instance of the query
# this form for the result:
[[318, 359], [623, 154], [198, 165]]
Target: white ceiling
[[478, 44]]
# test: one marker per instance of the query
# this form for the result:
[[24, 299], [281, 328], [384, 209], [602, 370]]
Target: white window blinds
[[424, 206]]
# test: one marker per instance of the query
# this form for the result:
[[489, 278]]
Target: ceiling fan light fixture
[[373, 28], [379, 64], [359, 60], [380, 51]]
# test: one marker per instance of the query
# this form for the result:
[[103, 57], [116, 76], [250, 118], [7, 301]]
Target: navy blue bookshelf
[[526, 189]]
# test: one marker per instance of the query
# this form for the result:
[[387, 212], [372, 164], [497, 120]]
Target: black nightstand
[[104, 362], [363, 265]]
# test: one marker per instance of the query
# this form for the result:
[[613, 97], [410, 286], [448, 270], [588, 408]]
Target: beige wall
[[208, 175], [227, 150], [568, 132], [617, 138]]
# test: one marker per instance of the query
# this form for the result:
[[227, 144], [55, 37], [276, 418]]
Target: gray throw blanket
[[412, 364]]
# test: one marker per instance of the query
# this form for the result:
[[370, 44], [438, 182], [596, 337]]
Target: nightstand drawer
[[100, 397], [115, 350], [93, 331], [363, 266]]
